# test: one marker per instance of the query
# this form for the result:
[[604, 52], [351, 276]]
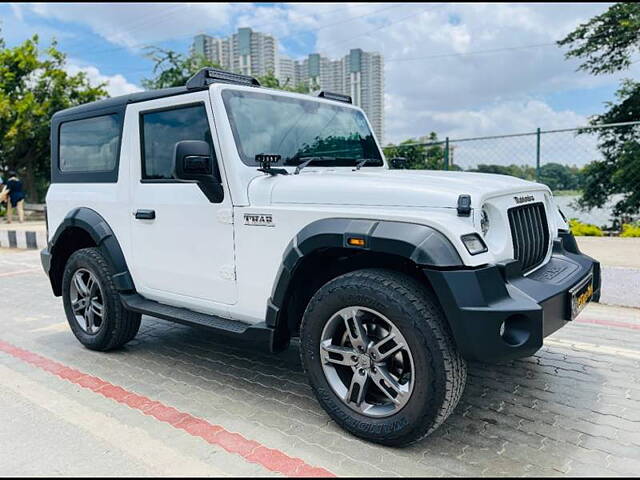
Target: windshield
[[297, 129]]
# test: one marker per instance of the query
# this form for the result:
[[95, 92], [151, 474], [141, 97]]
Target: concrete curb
[[29, 239]]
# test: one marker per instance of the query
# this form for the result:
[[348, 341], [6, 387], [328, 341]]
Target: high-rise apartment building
[[246, 51], [359, 74]]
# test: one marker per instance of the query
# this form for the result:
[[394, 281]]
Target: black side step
[[259, 335]]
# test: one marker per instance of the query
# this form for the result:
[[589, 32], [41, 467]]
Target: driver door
[[182, 243]]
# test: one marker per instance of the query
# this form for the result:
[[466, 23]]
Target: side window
[[90, 144], [161, 129]]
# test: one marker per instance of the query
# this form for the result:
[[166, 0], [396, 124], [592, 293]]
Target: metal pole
[[446, 153], [538, 154]]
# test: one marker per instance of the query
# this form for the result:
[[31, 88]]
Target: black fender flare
[[105, 239], [421, 244]]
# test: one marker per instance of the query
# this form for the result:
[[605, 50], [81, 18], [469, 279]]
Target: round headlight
[[484, 222]]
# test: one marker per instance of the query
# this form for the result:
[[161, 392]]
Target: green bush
[[630, 230], [580, 229]]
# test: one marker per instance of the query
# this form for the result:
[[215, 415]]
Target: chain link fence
[[556, 158]]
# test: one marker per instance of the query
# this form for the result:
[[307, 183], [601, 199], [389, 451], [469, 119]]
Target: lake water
[[596, 216]]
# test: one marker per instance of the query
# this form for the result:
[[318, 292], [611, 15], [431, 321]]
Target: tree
[[270, 81], [172, 69], [607, 41], [422, 153], [560, 177], [34, 85], [606, 44]]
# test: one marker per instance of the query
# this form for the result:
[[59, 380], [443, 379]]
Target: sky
[[459, 69]]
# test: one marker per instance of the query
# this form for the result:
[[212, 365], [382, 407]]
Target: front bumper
[[477, 302]]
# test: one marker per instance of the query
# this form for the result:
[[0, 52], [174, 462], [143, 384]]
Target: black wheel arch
[[307, 260], [81, 228]]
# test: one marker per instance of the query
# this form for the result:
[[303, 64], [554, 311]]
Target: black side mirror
[[193, 162], [399, 162]]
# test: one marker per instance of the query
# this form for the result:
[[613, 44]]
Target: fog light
[[474, 243], [516, 330]]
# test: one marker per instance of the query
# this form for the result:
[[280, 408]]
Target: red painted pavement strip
[[250, 450]]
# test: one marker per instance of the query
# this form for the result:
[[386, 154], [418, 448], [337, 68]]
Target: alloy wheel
[[367, 361], [87, 301]]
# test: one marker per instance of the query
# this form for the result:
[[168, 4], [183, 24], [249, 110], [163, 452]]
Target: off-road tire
[[119, 325], [440, 371]]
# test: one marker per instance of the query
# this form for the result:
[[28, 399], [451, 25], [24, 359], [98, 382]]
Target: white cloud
[[116, 84], [136, 25], [506, 117], [17, 11], [465, 93]]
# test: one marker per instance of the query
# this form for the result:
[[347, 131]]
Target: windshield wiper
[[363, 162], [317, 159], [309, 160]]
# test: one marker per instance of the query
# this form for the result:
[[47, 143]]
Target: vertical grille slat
[[540, 250], [529, 234], [535, 232]]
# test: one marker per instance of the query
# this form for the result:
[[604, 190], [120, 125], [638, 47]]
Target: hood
[[383, 187]]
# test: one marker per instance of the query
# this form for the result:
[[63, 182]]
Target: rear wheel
[[92, 304], [379, 356]]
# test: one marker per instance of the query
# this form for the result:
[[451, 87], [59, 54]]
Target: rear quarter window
[[90, 144]]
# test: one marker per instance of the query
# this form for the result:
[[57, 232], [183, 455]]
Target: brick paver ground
[[572, 409]]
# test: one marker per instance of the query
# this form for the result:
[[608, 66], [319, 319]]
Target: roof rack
[[207, 76], [335, 96]]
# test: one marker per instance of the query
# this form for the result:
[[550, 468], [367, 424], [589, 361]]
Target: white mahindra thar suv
[[264, 215]]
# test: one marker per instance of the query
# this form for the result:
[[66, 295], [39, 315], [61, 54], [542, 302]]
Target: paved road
[[621, 286], [175, 401]]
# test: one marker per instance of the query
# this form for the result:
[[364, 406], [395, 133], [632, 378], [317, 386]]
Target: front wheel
[[92, 305], [379, 356]]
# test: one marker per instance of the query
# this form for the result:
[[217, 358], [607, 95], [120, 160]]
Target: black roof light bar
[[338, 97], [207, 76]]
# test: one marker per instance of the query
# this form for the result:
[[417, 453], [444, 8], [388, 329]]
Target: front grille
[[530, 234]]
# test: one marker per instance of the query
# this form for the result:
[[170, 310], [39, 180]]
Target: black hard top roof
[[117, 104]]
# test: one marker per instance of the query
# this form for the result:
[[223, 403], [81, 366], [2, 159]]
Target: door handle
[[145, 214]]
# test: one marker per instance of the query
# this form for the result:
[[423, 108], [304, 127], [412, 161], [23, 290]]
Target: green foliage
[[422, 153], [630, 230], [34, 84], [619, 170], [607, 41], [555, 175], [580, 229], [606, 44], [560, 177], [270, 81], [172, 69]]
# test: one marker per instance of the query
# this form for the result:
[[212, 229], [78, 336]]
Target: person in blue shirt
[[16, 197]]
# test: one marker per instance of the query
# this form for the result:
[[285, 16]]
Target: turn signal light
[[356, 242]]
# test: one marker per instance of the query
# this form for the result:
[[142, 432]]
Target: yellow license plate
[[580, 295]]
